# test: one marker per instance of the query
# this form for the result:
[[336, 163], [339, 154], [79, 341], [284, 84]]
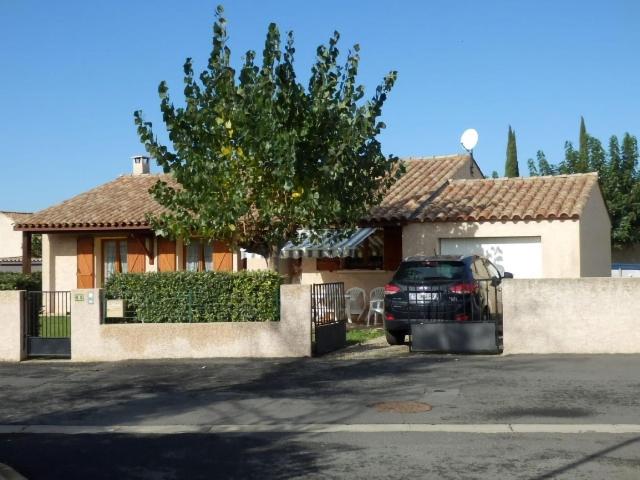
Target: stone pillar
[[11, 326], [295, 318], [86, 314]]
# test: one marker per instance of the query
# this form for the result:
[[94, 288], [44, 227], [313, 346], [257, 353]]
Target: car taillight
[[391, 289], [464, 288], [388, 316]]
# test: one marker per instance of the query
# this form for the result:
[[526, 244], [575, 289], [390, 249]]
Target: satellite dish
[[469, 139]]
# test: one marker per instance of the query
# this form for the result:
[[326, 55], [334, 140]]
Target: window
[[198, 256], [382, 250], [114, 257], [422, 271], [368, 255]]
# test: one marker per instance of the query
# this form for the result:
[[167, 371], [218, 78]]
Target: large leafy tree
[[619, 178], [543, 166], [256, 156], [511, 168]]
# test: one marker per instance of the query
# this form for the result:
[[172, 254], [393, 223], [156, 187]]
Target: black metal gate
[[458, 318], [47, 324], [328, 317]]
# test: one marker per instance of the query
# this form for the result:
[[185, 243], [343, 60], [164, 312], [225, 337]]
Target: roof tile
[[532, 198], [423, 177], [123, 202]]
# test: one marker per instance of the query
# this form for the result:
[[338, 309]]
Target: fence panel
[[328, 317]]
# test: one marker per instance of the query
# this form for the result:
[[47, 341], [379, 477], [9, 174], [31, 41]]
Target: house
[[11, 244], [538, 227], [371, 256], [89, 237]]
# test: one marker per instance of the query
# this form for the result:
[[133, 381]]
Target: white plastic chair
[[356, 300], [376, 304]]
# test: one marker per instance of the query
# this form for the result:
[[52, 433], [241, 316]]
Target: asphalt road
[[320, 418]]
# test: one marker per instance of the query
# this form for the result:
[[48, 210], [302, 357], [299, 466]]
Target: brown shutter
[[85, 275], [327, 264], [392, 247], [222, 257], [166, 255], [135, 255]]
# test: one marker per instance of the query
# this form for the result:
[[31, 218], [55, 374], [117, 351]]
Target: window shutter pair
[[85, 274], [222, 256]]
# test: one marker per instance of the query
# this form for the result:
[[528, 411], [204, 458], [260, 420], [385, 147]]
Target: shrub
[[199, 296], [20, 281]]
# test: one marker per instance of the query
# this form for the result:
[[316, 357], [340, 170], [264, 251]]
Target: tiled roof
[[124, 201], [532, 198], [120, 203], [17, 217], [423, 177], [426, 192]]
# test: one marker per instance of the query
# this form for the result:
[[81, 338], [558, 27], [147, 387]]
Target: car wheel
[[395, 338]]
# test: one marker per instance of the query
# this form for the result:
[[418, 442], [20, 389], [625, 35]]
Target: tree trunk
[[273, 259]]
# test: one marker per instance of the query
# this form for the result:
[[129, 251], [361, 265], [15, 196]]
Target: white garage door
[[521, 256]]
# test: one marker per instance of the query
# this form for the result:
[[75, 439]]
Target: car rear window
[[410, 272]]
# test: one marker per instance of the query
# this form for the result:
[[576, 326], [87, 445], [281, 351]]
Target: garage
[[521, 256]]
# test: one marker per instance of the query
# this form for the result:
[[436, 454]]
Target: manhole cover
[[402, 407]]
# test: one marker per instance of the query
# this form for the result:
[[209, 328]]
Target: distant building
[[11, 244]]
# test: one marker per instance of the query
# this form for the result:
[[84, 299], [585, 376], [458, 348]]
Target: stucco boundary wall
[[581, 315], [11, 326], [93, 341]]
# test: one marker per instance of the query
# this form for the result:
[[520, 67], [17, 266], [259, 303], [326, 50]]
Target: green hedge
[[174, 297], [20, 281]]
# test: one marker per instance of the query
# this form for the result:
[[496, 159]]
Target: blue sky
[[73, 72]]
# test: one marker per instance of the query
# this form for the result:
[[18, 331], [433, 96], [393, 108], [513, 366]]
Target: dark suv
[[441, 289]]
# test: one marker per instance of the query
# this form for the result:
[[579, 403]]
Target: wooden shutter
[[222, 257], [166, 255], [136, 255], [392, 247], [85, 274], [327, 264]]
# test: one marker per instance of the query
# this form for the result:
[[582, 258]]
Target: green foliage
[[20, 281], [582, 160], [618, 174], [543, 167], [175, 297], [258, 156], [494, 174], [620, 180], [361, 335], [36, 245], [511, 168]]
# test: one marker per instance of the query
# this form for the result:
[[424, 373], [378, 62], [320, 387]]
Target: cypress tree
[[511, 165], [583, 150]]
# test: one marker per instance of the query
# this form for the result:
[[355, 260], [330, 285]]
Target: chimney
[[140, 164]]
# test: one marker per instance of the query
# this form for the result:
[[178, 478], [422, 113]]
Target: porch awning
[[331, 245]]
